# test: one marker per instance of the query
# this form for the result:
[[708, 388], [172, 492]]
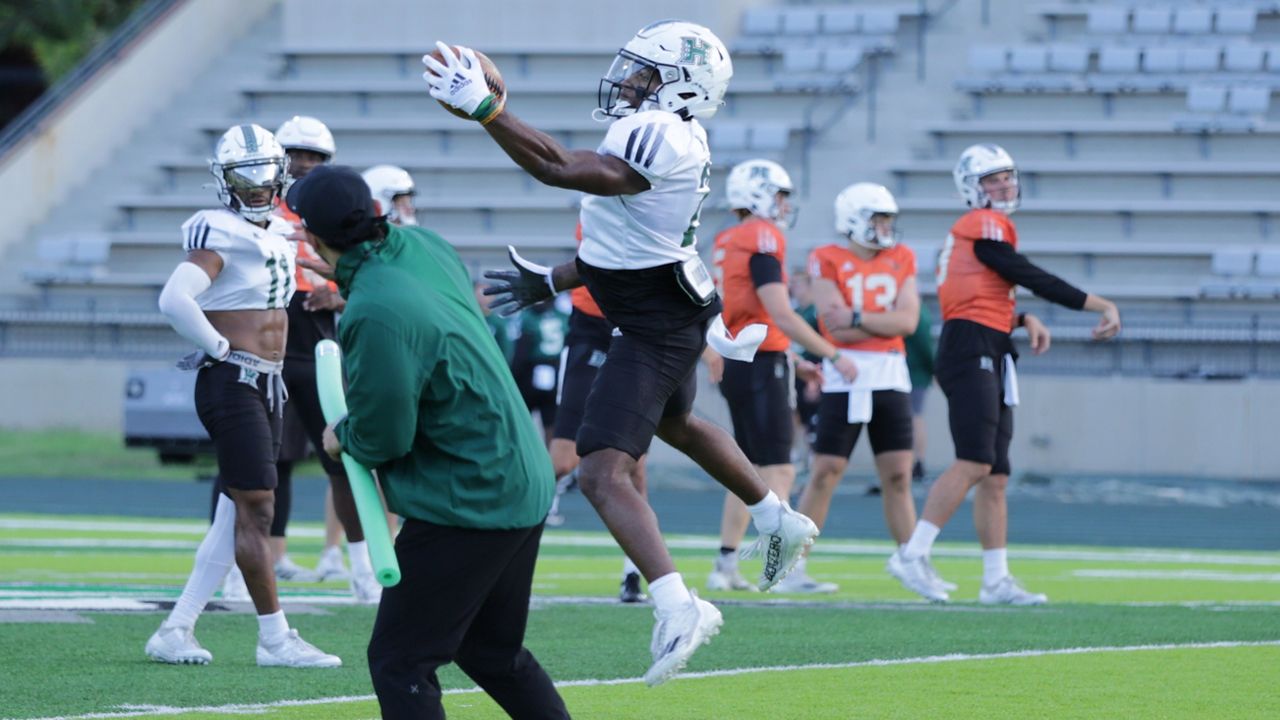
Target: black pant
[[463, 597]]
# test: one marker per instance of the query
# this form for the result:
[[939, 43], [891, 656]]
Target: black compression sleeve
[[765, 269], [1017, 269]]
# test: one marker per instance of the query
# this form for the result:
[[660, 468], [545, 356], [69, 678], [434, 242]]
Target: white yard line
[[133, 711], [1179, 575], [557, 539]]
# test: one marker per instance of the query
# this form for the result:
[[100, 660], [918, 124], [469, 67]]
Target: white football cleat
[[293, 651], [726, 575], [916, 575], [330, 566], [234, 588], [798, 581], [678, 634], [1008, 591], [365, 589], [177, 646], [287, 569], [784, 547]]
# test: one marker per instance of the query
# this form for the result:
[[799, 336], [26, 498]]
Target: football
[[491, 76]]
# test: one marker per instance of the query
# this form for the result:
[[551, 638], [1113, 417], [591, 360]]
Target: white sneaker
[[783, 548], [330, 566], [678, 634], [293, 651], [1008, 591], [365, 588], [948, 587], [916, 575], [178, 646], [798, 581], [726, 575], [287, 569], [233, 587]]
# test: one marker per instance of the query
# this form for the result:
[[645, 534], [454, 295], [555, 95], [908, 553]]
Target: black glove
[[515, 290]]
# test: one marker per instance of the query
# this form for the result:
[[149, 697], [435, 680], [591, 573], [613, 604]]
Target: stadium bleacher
[[1139, 129]]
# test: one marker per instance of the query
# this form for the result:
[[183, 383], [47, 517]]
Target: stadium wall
[[99, 117]]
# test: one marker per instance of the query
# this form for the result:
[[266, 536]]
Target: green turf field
[[1132, 633]]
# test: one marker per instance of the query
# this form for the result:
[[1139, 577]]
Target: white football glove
[[515, 290], [743, 347], [459, 82]]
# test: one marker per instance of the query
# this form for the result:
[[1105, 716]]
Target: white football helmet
[[754, 185], [690, 73], [386, 182], [303, 132], [978, 161], [247, 159], [854, 207]]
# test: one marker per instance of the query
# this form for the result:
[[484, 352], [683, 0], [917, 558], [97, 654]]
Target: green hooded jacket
[[431, 404]]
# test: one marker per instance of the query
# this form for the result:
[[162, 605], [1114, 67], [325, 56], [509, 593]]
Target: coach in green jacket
[[433, 408]]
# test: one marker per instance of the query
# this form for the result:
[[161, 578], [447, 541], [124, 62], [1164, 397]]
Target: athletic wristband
[[855, 320], [1022, 319]]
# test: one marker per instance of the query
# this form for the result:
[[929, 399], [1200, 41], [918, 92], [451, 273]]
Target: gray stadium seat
[[1118, 60], [1232, 261], [1273, 59], [1029, 59], [1243, 58], [1250, 100], [990, 59], [1236, 21], [802, 60], [1069, 58], [841, 59], [1201, 59], [800, 21], [762, 21], [1269, 262], [729, 136], [1206, 98], [1192, 21], [879, 21], [841, 21], [1151, 20], [1160, 60], [1108, 21]]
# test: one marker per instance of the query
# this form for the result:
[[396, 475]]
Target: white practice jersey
[[657, 226], [257, 263]]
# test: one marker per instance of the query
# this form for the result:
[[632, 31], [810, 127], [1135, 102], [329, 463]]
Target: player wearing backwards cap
[[977, 272], [749, 259], [433, 407], [229, 298], [646, 184]]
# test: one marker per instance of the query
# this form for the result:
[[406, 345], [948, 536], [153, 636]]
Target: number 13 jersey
[[869, 286], [657, 226]]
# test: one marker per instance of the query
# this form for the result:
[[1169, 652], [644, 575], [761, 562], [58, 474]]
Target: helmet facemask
[[632, 85], [1006, 206], [239, 183], [866, 234]]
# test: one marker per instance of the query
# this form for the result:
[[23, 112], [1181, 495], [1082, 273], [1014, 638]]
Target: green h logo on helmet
[[693, 51]]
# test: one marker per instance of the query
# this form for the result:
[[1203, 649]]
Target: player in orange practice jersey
[[749, 259], [977, 273], [865, 290]]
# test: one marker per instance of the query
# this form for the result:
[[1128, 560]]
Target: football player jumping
[[646, 184]]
